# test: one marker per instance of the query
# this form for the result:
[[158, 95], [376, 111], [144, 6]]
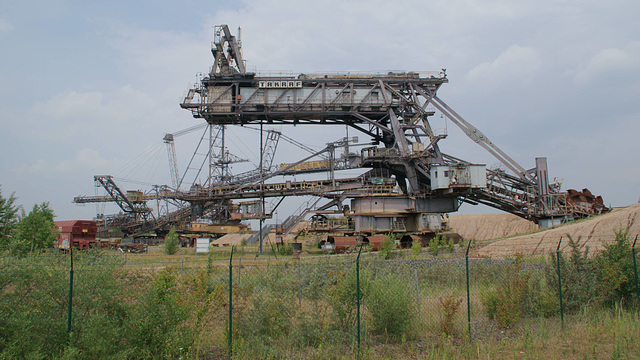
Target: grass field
[[152, 305]]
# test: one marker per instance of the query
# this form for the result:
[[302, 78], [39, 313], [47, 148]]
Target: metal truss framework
[[392, 108]]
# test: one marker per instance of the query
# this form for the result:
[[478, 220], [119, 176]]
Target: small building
[[80, 234], [458, 176]]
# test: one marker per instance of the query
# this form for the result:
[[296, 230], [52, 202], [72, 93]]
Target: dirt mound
[[238, 238], [591, 233], [231, 239], [490, 226]]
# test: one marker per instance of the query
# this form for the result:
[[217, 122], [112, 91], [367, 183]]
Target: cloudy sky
[[90, 88]]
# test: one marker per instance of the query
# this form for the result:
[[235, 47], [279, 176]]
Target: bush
[[450, 245], [32, 300], [387, 246], [541, 300], [416, 248], [269, 315], [450, 307], [391, 307], [490, 301], [434, 245], [506, 303], [604, 279], [615, 269], [285, 250], [171, 245], [342, 296], [579, 280]]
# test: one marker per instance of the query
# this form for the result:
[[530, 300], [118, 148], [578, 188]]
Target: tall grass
[[303, 310]]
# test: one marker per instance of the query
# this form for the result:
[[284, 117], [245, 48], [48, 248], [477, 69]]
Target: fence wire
[[219, 305]]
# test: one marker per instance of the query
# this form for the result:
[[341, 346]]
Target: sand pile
[[490, 226], [230, 239], [591, 233], [237, 238]]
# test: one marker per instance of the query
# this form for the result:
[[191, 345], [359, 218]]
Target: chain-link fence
[[238, 304]]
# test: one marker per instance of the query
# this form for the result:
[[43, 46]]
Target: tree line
[[21, 232]]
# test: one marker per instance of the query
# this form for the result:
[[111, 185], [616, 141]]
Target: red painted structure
[[80, 234]]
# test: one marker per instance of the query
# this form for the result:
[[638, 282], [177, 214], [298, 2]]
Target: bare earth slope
[[591, 233], [490, 226]]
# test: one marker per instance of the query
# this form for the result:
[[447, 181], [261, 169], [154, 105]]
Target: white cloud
[[517, 64], [161, 63], [70, 104], [611, 63], [39, 167], [74, 117], [86, 160]]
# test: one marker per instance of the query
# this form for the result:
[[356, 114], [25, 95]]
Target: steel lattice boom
[[409, 180]]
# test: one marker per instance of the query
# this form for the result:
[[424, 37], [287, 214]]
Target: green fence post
[[560, 281], [358, 291], [466, 257], [417, 282], [299, 284], [231, 303], [70, 297], [635, 269]]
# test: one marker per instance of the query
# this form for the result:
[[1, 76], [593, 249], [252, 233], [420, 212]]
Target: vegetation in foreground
[[23, 233], [122, 309], [308, 310]]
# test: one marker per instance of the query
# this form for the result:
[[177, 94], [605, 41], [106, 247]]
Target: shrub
[[606, 278], [450, 307], [434, 245], [342, 297], [390, 306], [615, 269], [541, 300], [450, 245], [31, 299], [387, 246], [506, 303], [285, 250], [171, 242], [579, 280], [416, 248], [490, 302], [269, 315]]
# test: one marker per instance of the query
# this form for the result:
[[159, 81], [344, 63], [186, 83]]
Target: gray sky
[[91, 88]]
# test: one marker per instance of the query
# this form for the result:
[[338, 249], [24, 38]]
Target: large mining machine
[[393, 109], [407, 181]]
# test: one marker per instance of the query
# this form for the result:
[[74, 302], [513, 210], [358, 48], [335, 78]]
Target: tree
[[36, 230], [171, 242], [8, 219]]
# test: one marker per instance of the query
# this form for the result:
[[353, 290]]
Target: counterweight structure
[[409, 182]]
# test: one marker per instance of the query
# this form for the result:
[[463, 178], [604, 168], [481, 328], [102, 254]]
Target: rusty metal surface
[[584, 203], [375, 241], [342, 243]]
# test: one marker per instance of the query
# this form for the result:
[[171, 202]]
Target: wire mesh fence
[[242, 305]]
